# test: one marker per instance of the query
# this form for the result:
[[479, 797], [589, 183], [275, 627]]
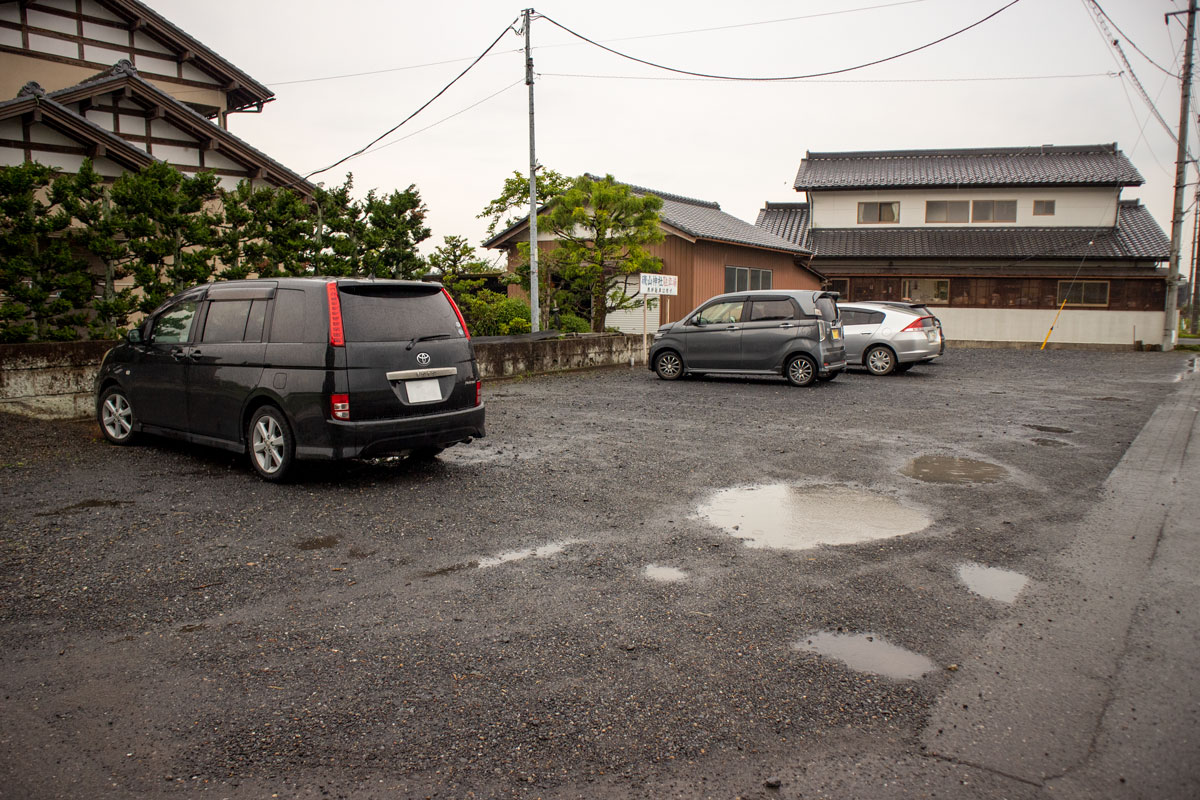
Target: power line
[[427, 103], [850, 81], [381, 71], [779, 78], [1132, 43]]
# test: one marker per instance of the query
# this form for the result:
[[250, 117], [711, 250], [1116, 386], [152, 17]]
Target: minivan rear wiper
[[412, 342]]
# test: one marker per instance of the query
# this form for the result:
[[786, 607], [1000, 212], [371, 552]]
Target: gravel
[[172, 626]]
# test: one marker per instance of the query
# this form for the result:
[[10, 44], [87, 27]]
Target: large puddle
[[951, 469], [788, 517], [866, 652], [992, 582]]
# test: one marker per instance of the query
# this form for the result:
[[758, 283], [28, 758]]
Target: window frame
[[878, 206], [1044, 203], [946, 204], [992, 205], [751, 274], [1064, 299]]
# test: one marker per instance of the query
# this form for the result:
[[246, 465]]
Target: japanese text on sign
[[653, 283]]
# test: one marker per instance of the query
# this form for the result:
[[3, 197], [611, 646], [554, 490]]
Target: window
[[728, 311], [994, 211], [739, 279], [871, 213], [299, 316], [226, 321], [841, 286], [174, 324], [925, 290], [1083, 293], [1043, 208], [947, 211], [772, 310]]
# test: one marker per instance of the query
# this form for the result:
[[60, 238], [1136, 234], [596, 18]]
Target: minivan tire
[[270, 444], [668, 365], [800, 370], [880, 360], [115, 415]]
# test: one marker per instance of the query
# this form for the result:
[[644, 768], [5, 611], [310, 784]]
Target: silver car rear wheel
[[880, 360]]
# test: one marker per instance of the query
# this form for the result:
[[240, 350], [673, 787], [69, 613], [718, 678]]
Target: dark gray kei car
[[298, 368], [794, 333]]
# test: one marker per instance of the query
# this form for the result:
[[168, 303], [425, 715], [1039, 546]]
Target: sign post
[[653, 283]]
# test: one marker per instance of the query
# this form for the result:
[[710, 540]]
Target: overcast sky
[[1039, 72]]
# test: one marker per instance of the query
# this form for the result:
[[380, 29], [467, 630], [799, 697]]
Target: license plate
[[426, 391], [837, 334]]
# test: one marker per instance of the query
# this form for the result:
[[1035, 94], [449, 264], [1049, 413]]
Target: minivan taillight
[[458, 313], [478, 392], [339, 405], [920, 323], [337, 336]]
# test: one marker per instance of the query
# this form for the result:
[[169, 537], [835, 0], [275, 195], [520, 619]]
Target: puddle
[[86, 504], [545, 551], [1049, 429], [866, 652], [655, 572], [950, 469], [320, 543], [992, 582], [798, 518], [1051, 442], [1112, 399]]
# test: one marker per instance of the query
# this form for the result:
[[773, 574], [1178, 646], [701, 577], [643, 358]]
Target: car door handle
[[786, 325], [178, 354], [194, 354]]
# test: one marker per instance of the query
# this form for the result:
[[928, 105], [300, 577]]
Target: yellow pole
[[1052, 324]]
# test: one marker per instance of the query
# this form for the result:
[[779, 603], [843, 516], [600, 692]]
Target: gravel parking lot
[[562, 609]]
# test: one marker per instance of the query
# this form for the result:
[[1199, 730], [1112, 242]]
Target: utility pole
[[1195, 263], [1171, 323], [535, 311]]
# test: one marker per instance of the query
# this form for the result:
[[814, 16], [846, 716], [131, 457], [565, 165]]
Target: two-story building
[[114, 81], [999, 242]]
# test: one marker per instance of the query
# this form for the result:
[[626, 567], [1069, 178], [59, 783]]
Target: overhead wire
[[1132, 43], [508, 29], [826, 73], [847, 81]]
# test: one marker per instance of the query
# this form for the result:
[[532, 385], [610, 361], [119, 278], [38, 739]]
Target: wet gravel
[[483, 626]]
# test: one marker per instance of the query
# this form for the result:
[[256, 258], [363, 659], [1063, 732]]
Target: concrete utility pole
[[1171, 324], [535, 312], [1195, 263]]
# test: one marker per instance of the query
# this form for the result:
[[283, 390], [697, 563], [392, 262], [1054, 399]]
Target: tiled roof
[[789, 220], [705, 220], [700, 219], [124, 74], [1136, 237], [1046, 165]]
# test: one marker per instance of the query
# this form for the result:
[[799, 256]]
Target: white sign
[[653, 283]]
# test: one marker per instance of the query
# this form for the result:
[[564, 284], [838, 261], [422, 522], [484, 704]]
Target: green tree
[[394, 226], [488, 313], [337, 226], [513, 203], [603, 229], [44, 281], [264, 231], [171, 233], [100, 234]]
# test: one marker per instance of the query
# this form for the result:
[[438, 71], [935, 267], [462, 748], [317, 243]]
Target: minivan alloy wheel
[[116, 416], [668, 365], [800, 371], [270, 444]]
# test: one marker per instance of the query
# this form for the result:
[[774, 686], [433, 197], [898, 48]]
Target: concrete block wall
[[53, 380]]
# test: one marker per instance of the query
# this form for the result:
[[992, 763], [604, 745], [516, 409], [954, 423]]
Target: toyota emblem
[[422, 358]]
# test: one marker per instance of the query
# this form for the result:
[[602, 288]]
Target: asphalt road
[[620, 593]]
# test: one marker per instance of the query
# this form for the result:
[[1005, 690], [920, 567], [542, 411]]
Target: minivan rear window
[[396, 313]]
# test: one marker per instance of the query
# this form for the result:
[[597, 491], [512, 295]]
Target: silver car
[[888, 337]]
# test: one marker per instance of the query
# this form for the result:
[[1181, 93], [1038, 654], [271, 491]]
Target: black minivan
[[298, 368]]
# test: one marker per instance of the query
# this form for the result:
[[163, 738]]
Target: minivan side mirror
[[697, 320], [134, 336]]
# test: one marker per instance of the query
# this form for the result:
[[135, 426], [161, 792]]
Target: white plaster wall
[[106, 33], [1074, 208], [1075, 326]]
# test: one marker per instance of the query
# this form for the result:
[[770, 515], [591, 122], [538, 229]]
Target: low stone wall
[[53, 380]]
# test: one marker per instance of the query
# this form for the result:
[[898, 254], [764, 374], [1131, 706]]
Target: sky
[[1038, 72]]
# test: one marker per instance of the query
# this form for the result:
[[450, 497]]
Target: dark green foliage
[[487, 312], [513, 202], [395, 225], [171, 234], [570, 323], [602, 229], [45, 287]]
